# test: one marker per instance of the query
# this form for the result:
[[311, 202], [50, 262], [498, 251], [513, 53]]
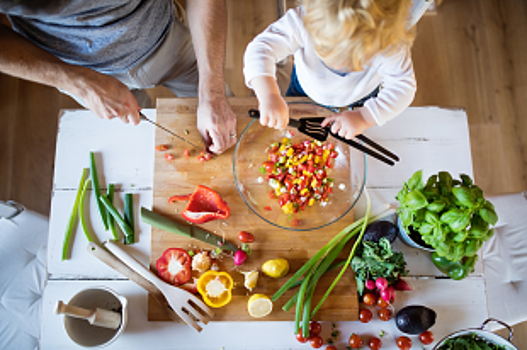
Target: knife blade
[[165, 224], [143, 117]]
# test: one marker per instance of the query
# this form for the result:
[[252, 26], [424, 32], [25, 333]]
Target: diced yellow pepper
[[325, 155], [311, 202], [317, 159], [290, 152], [304, 191]]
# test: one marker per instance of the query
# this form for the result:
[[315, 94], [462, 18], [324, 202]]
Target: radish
[[381, 283], [388, 294], [370, 284], [401, 284], [239, 257]]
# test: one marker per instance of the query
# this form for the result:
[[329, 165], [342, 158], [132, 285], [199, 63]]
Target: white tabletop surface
[[431, 139]]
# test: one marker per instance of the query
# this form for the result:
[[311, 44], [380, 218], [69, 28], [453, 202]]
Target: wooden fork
[[186, 305]]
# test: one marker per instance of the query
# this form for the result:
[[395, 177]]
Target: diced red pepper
[[169, 156], [175, 266], [296, 222], [268, 208]]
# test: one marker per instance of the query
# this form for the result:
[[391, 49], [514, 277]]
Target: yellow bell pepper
[[215, 287]]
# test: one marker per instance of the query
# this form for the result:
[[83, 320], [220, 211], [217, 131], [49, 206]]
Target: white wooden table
[[431, 139]]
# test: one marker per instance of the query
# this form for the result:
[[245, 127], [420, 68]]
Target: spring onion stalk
[[350, 230], [350, 256], [300, 301], [307, 309], [73, 218], [129, 217], [118, 218], [81, 211], [97, 190], [109, 217]]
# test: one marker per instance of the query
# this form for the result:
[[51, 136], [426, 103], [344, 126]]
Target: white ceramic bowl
[[81, 331]]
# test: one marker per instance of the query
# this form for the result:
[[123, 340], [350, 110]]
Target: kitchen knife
[[143, 117]]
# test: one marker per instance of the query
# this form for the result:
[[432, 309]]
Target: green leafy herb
[[451, 215], [378, 260], [471, 341]]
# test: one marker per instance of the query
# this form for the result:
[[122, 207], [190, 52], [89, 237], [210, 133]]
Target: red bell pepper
[[204, 205], [175, 266]]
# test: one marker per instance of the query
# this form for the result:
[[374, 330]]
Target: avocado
[[380, 229], [415, 319]]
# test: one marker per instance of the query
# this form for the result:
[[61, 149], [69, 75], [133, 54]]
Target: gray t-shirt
[[109, 36]]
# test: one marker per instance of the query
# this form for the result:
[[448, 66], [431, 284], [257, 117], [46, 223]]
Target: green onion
[[118, 218], [109, 217], [97, 190], [351, 254], [300, 301], [81, 211], [129, 217], [73, 218]]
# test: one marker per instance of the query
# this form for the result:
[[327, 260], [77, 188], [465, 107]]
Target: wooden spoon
[[96, 317]]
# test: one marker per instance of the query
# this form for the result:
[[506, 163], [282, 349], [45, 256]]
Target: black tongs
[[312, 127]]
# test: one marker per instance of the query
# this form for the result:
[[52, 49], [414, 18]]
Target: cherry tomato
[[169, 156], [369, 299], [382, 303], [375, 343], [426, 337], [269, 166], [162, 148], [404, 343], [355, 341], [385, 314], [314, 328], [201, 159], [186, 153], [300, 338], [365, 315], [246, 237], [316, 342], [331, 347]]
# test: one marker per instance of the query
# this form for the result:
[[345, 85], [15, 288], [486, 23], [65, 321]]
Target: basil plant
[[451, 215]]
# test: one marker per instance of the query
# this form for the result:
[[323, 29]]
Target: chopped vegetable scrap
[[204, 156], [161, 148], [251, 279], [201, 262], [186, 153], [204, 205], [174, 266], [299, 173], [169, 156], [215, 288]]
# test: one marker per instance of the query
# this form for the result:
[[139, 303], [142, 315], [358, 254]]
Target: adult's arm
[[103, 95], [208, 26]]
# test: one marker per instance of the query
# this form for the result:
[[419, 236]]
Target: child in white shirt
[[343, 50]]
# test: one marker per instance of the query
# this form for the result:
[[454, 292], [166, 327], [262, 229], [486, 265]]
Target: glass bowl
[[349, 175]]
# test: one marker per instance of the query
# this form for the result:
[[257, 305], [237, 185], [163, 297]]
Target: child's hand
[[274, 112], [347, 124]]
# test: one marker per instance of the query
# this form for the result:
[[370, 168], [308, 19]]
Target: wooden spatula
[[96, 317]]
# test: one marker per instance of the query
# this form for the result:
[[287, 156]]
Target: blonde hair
[[349, 33]]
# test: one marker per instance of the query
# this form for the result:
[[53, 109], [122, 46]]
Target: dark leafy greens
[[377, 260], [472, 342]]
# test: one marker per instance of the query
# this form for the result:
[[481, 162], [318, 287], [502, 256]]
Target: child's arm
[[348, 124], [274, 112]]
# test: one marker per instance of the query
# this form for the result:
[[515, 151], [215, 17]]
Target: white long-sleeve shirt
[[288, 36]]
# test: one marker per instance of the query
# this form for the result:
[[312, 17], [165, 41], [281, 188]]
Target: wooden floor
[[471, 55]]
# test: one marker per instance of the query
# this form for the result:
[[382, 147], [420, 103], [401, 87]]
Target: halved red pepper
[[204, 205], [175, 266]]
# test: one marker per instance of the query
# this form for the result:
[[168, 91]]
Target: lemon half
[[259, 305]]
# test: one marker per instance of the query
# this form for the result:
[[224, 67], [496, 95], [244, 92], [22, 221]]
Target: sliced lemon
[[276, 268], [259, 305]]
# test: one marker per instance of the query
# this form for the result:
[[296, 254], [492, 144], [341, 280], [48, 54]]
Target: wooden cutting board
[[180, 176]]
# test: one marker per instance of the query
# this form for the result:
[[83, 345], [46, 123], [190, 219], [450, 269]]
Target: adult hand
[[216, 123], [274, 111], [347, 124], [108, 98]]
